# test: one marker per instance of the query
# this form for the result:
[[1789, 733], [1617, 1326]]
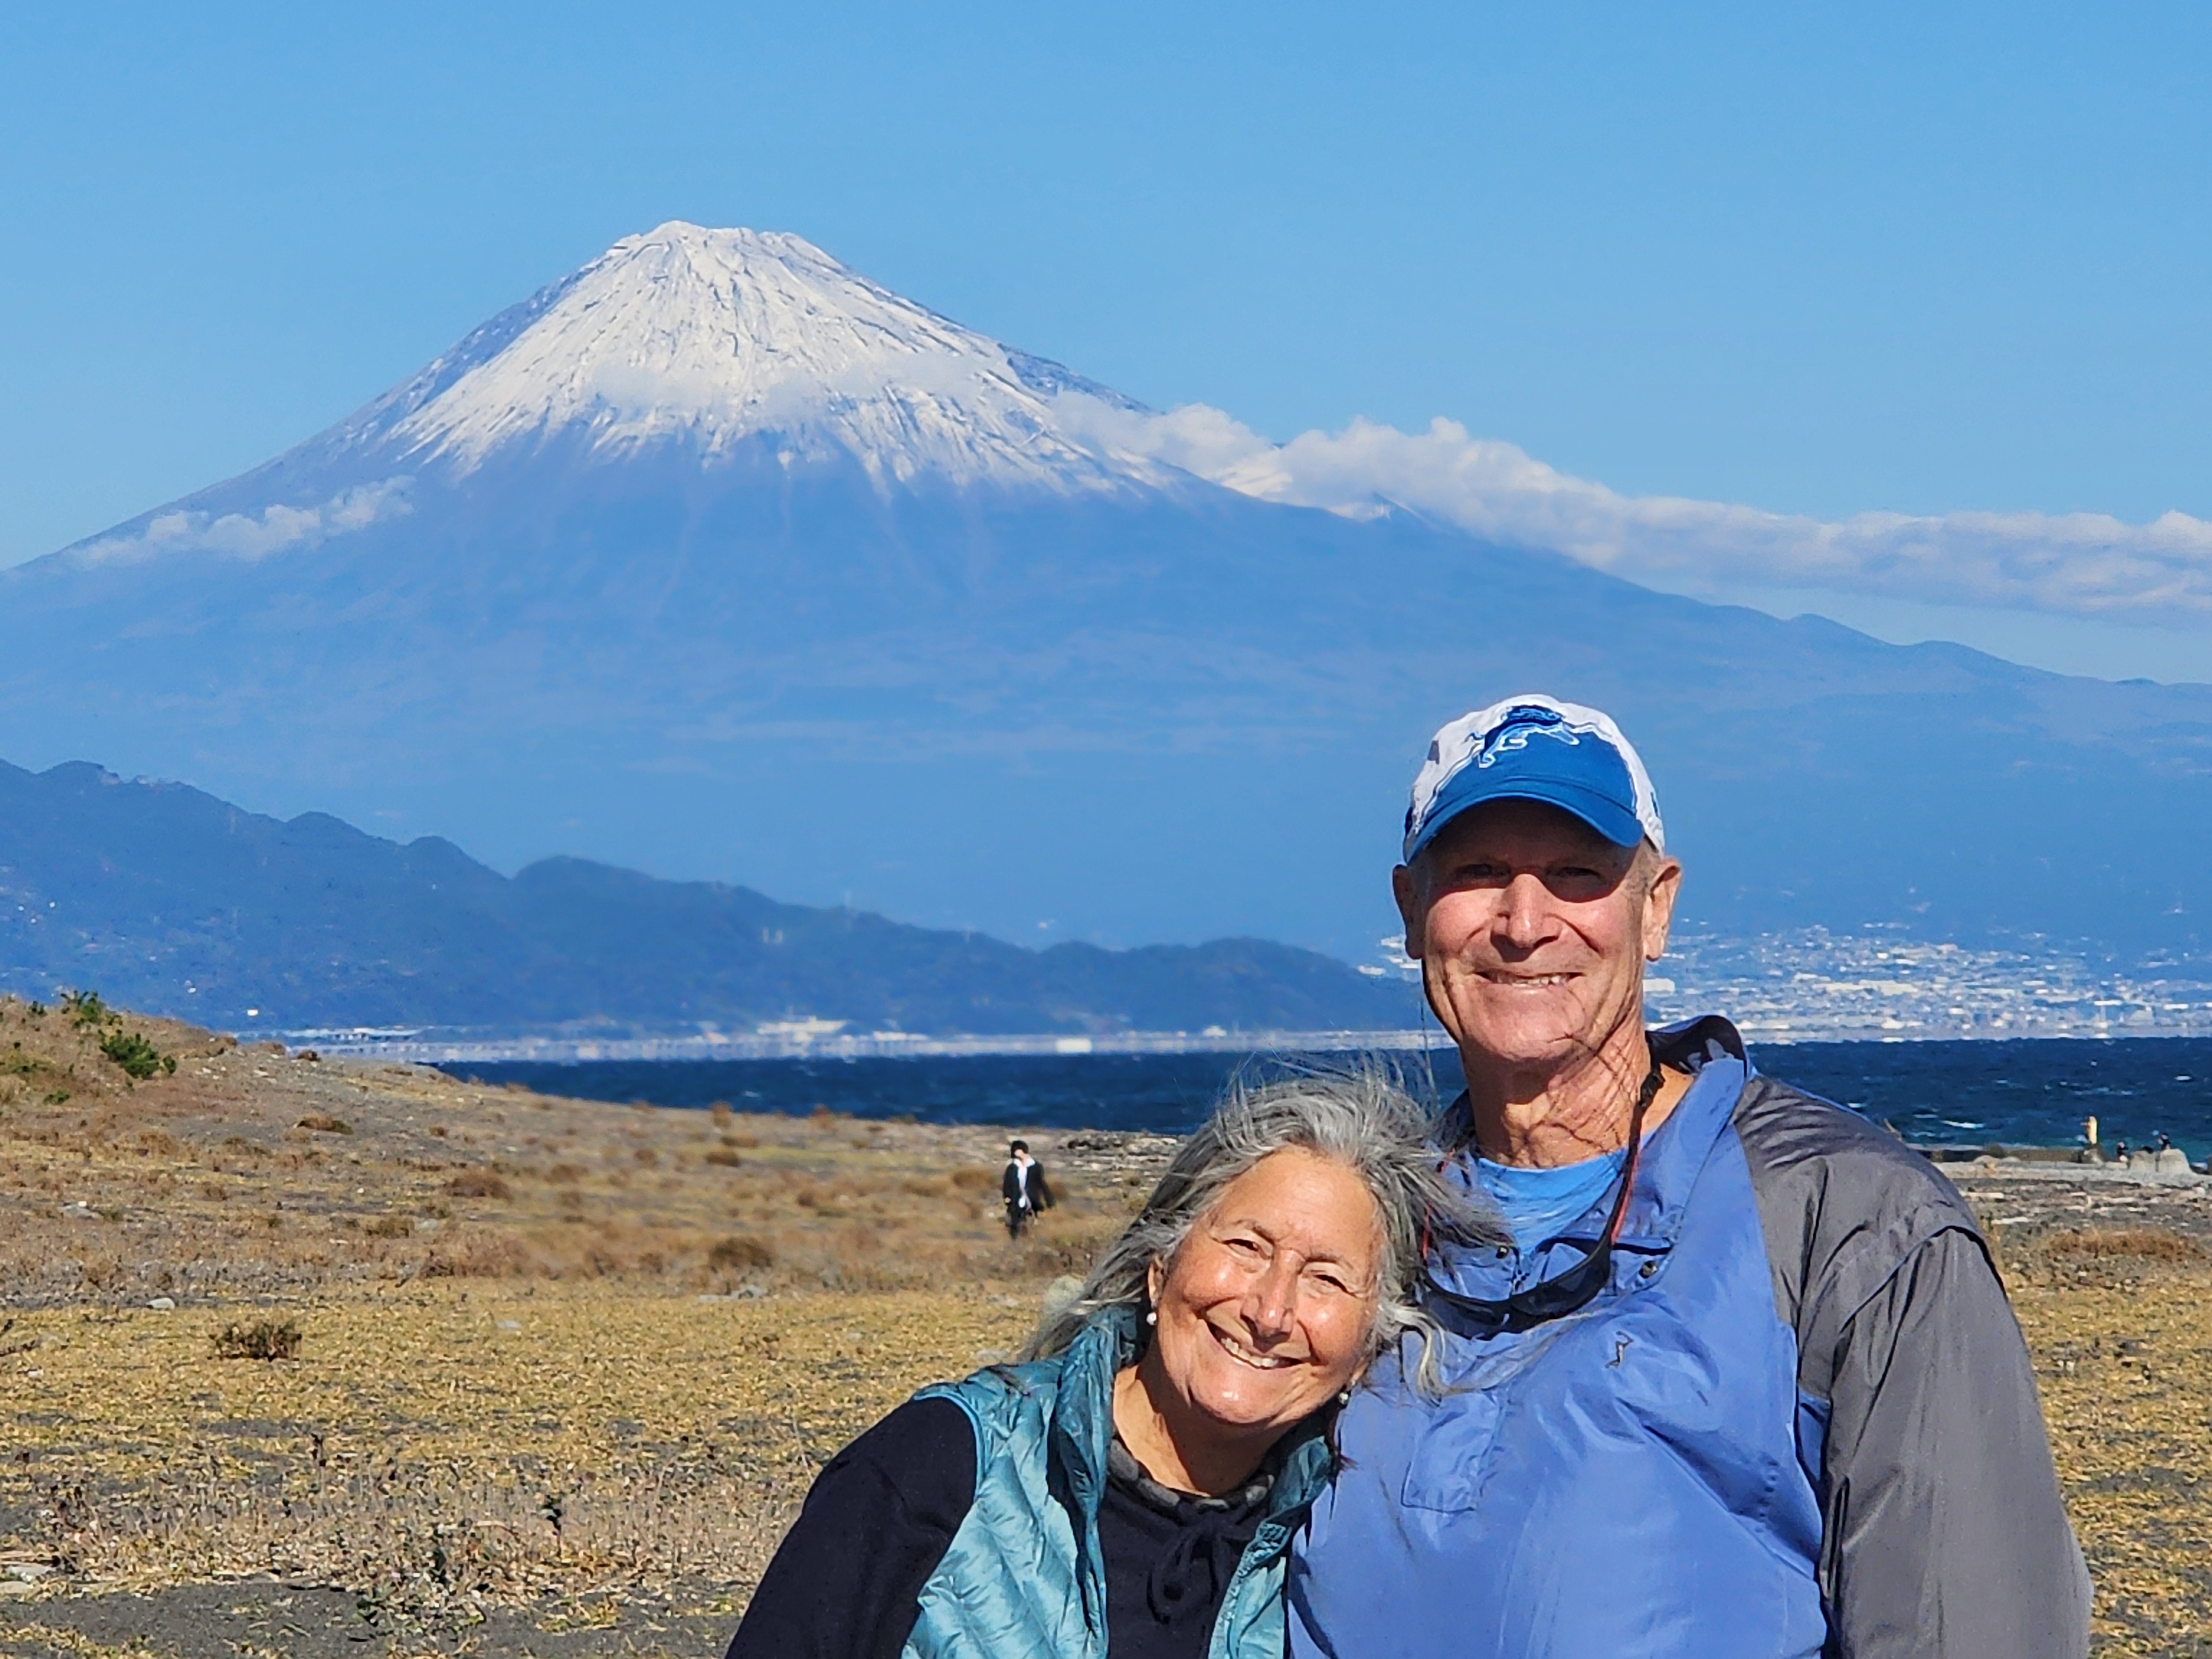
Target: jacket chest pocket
[[1452, 1451]]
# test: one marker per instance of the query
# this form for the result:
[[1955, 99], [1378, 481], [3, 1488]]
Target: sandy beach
[[551, 1376]]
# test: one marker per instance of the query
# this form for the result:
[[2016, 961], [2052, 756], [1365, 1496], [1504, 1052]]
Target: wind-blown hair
[[1359, 1118]]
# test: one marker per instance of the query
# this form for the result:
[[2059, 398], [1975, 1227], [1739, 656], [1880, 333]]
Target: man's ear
[[1659, 907], [1407, 891]]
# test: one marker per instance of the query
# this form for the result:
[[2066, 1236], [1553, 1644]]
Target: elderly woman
[[1131, 1488]]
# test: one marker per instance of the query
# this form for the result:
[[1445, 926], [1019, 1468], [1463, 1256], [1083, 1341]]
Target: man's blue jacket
[[1800, 1420]]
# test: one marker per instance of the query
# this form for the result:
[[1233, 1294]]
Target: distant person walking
[[1022, 1186]]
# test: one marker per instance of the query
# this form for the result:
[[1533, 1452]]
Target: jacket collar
[[1667, 1168]]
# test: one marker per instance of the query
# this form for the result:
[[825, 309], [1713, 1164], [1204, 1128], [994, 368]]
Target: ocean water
[[2034, 1092]]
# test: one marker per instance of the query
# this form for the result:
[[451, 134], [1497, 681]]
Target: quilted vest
[[1023, 1578]]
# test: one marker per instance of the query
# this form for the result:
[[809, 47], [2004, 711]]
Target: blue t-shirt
[[1538, 1204]]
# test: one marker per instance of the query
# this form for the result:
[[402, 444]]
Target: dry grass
[[256, 1174], [2121, 1260], [428, 1435], [2125, 1374], [2134, 1243], [526, 1344], [494, 1397], [435, 1445]]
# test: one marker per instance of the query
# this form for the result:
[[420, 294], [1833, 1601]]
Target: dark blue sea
[[2034, 1092]]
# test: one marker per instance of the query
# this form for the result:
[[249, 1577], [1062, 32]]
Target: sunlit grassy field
[[2126, 1366], [556, 1361], [439, 1443]]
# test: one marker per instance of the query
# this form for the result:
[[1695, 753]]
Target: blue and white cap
[[1536, 748]]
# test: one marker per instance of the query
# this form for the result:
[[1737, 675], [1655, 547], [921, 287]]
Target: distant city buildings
[[1878, 985], [1874, 984]]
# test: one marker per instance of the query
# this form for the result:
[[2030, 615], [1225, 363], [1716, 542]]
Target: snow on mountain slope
[[705, 345], [713, 337]]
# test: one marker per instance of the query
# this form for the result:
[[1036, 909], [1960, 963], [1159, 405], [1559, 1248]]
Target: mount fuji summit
[[733, 348], [716, 558]]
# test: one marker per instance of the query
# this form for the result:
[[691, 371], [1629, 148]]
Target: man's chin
[[1521, 1027]]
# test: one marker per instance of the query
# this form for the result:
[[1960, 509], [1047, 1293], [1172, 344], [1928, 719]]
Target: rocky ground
[[553, 1375]]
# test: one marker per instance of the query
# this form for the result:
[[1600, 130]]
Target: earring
[[1345, 1399], [1152, 1316]]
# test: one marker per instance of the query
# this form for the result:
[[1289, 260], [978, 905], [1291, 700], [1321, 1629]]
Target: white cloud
[[250, 536], [2078, 563]]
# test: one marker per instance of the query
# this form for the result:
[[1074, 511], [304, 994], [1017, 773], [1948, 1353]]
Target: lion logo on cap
[[1523, 722]]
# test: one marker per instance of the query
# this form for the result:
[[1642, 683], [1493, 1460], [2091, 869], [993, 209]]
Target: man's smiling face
[[1532, 931]]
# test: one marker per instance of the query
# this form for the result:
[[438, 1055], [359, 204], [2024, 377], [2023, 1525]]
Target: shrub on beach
[[485, 1253], [2143, 1244], [139, 1059], [266, 1339], [86, 1010], [2118, 1258], [740, 1253]]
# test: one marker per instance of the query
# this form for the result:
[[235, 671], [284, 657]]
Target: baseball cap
[[1535, 748]]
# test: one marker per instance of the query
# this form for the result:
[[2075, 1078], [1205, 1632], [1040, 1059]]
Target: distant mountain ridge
[[167, 899], [716, 557]]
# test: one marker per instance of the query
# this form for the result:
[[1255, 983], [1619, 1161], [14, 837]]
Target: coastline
[[430, 1047], [433, 1045]]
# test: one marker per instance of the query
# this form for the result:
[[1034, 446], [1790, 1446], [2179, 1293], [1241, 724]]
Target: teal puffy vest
[[1023, 1578]]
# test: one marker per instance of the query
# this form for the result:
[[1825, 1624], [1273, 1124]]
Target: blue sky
[[1824, 263]]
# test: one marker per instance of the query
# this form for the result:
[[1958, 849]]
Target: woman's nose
[[1271, 1304]]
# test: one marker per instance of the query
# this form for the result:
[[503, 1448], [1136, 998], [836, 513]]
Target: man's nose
[[1525, 918]]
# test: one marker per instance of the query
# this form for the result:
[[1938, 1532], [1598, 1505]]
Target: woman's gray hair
[[1361, 1118]]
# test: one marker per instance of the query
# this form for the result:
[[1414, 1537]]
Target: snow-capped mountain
[[716, 339], [730, 348], [718, 559]]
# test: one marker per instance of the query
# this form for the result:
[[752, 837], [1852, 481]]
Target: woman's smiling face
[[1266, 1309]]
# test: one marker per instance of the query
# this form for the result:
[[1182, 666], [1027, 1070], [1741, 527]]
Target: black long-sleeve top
[[846, 1581]]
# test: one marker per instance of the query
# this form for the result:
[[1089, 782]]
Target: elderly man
[[1746, 1383]]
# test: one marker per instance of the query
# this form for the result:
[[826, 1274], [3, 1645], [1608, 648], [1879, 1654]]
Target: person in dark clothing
[[1131, 1488], [1022, 1186]]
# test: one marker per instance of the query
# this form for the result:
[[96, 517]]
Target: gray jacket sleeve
[[1944, 1535], [1944, 1531]]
